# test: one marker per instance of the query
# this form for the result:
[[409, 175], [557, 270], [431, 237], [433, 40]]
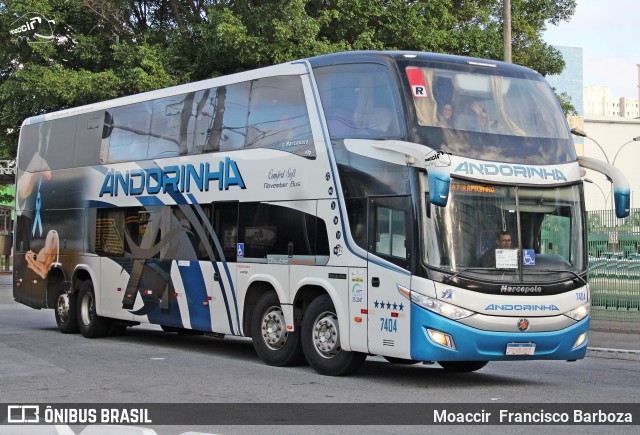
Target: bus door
[[389, 237], [224, 307]]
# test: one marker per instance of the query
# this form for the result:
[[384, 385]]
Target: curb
[[603, 352]]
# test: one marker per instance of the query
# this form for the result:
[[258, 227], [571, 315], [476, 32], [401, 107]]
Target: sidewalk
[[614, 340]]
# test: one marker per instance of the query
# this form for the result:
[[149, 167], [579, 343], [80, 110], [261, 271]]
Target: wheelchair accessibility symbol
[[240, 250], [528, 257]]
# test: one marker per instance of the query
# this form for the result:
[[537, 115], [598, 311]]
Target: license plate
[[520, 348]]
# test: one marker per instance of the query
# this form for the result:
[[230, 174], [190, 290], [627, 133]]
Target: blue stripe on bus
[[196, 292], [100, 204], [150, 201]]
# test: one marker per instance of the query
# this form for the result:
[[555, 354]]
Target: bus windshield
[[478, 232], [488, 114]]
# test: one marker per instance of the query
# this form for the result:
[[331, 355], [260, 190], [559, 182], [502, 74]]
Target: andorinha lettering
[[510, 171], [178, 179], [527, 307]]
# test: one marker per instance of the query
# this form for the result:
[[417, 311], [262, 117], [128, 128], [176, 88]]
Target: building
[[598, 101], [629, 107]]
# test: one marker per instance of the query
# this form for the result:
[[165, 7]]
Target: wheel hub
[[273, 331], [326, 335], [62, 307], [87, 309]]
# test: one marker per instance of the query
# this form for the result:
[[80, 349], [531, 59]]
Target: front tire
[[274, 344], [321, 340], [462, 366], [91, 325], [65, 311]]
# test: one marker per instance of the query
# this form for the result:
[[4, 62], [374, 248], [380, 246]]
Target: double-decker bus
[[418, 206]]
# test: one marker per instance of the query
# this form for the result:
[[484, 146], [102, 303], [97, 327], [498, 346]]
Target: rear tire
[[65, 310], [91, 325], [321, 340], [274, 344], [462, 366]]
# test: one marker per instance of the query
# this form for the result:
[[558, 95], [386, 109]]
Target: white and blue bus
[[417, 206]]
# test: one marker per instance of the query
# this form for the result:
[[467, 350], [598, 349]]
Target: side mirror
[[621, 191]]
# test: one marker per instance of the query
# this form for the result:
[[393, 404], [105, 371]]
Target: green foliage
[[109, 48]]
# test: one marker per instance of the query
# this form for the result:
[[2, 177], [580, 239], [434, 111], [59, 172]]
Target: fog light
[[581, 339], [441, 338]]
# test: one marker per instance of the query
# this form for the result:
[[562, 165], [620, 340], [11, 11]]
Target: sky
[[609, 33]]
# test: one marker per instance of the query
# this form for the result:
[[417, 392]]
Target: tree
[[109, 48]]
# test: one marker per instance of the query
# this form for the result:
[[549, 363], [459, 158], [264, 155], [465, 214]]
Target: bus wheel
[[462, 366], [65, 311], [394, 360], [273, 343], [321, 340], [91, 325]]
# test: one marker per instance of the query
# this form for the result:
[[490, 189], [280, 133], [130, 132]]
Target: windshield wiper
[[450, 278], [562, 271]]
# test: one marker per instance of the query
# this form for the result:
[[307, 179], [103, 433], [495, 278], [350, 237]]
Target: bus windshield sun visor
[[436, 163], [621, 191]]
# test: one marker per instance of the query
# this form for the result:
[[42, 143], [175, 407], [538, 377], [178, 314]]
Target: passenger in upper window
[[483, 116], [446, 115]]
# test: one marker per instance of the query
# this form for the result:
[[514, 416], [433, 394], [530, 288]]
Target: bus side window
[[109, 239], [358, 101], [225, 226], [171, 122], [254, 230], [126, 133], [278, 113]]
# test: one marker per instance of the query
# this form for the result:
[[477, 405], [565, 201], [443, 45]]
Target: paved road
[[38, 364]]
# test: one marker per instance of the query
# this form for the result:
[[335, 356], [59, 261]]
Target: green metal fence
[[614, 265]]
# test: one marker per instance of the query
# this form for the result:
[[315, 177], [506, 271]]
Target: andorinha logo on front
[[173, 179], [507, 170], [519, 307]]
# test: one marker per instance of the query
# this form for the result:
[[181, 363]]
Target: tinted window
[[278, 115], [61, 143], [126, 133], [34, 142], [88, 137], [142, 232], [233, 130], [254, 230], [226, 228], [110, 232], [170, 124], [188, 237], [359, 101]]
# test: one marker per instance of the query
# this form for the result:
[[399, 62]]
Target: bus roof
[[290, 68]]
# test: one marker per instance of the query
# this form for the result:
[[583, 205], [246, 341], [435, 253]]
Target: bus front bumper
[[473, 344]]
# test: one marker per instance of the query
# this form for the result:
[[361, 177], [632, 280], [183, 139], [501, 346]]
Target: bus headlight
[[580, 312], [444, 309]]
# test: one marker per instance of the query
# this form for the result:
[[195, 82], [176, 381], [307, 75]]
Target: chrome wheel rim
[[62, 307], [274, 332], [326, 335], [87, 309]]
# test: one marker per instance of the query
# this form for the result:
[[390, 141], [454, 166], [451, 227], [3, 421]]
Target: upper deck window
[[516, 106], [493, 114], [359, 101]]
